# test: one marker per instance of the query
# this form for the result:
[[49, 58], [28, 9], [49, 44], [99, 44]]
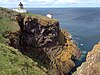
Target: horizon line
[[56, 7]]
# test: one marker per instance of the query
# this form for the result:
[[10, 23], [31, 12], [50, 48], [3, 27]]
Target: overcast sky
[[51, 3]]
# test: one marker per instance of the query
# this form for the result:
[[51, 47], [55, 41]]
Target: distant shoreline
[[55, 7]]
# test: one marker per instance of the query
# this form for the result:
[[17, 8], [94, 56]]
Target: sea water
[[82, 23]]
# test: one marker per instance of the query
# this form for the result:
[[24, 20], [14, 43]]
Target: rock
[[92, 64], [51, 45]]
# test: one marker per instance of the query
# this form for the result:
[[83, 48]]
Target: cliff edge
[[41, 39]]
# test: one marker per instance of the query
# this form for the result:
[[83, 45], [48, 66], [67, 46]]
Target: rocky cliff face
[[92, 64], [42, 37]]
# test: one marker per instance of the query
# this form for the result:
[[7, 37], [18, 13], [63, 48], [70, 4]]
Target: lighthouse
[[20, 5], [20, 8]]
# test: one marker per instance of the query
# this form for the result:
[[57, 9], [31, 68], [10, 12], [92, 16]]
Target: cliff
[[92, 64], [41, 39]]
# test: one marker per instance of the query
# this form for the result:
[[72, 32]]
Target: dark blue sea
[[82, 23]]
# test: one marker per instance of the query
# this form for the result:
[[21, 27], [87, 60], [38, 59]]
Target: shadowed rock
[[52, 46]]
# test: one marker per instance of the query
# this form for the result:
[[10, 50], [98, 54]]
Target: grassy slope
[[12, 62], [6, 23]]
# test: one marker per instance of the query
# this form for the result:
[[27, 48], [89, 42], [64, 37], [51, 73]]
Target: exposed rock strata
[[92, 64], [54, 47]]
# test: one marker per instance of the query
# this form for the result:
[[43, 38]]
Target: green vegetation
[[13, 62], [7, 23], [39, 16]]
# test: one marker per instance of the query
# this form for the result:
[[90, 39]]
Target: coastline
[[43, 22]]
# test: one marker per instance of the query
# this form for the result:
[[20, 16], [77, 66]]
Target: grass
[[41, 19], [12, 62], [6, 24]]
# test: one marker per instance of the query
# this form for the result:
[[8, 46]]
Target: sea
[[82, 23]]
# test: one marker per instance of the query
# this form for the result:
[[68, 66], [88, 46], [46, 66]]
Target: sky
[[50, 3]]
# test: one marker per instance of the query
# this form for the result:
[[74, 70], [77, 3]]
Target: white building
[[49, 15]]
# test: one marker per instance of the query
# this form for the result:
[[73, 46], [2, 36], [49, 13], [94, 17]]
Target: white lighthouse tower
[[20, 8], [20, 5]]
